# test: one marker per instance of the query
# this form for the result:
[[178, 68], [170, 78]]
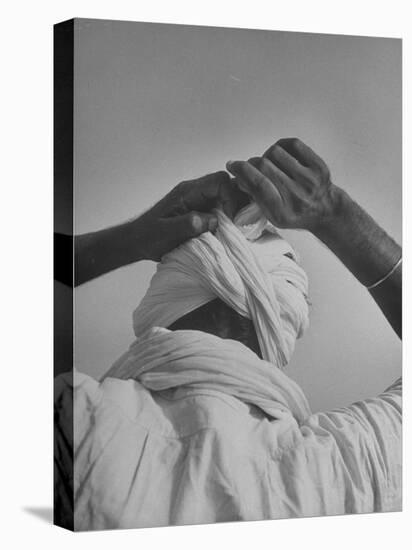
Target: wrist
[[338, 206], [118, 246], [130, 242]]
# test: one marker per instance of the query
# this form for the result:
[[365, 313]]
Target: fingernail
[[212, 224]]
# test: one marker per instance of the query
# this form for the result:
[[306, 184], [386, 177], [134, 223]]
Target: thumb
[[179, 229]]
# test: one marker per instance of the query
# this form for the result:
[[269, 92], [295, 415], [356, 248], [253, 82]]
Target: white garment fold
[[245, 266], [176, 435], [190, 359]]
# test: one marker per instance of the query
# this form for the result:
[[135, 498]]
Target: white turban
[[243, 264]]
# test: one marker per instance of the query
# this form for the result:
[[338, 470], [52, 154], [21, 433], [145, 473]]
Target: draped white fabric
[[244, 264], [195, 360], [189, 428]]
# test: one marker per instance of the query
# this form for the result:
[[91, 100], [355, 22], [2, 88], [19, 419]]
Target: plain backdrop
[[156, 104]]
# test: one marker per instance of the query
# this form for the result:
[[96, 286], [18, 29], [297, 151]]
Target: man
[[272, 458], [294, 189]]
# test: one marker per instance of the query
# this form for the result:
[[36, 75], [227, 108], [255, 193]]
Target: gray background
[[156, 104]]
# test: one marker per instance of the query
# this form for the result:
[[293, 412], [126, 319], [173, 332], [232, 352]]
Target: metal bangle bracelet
[[398, 263]]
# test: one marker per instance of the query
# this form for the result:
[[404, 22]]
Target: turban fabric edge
[[243, 264]]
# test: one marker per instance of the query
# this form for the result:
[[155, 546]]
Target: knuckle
[[276, 150], [264, 164], [236, 166], [312, 178], [289, 143], [320, 171], [182, 186], [258, 181], [257, 162], [221, 175], [324, 170], [243, 168]]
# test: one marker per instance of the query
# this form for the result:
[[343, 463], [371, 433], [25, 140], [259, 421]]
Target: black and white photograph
[[228, 274]]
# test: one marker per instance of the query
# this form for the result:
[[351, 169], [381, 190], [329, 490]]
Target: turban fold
[[245, 265]]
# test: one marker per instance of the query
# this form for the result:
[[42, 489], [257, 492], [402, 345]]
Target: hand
[[185, 213], [290, 183], [182, 214]]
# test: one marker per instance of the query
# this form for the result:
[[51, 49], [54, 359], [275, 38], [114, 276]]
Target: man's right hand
[[290, 183]]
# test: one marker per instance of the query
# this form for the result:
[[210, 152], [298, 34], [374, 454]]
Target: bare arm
[[182, 214], [293, 187], [369, 253]]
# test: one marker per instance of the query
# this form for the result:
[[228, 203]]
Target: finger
[[231, 198], [204, 193], [274, 174], [179, 229], [302, 152], [256, 184], [287, 163], [200, 194]]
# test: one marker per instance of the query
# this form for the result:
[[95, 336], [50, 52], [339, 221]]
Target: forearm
[[367, 251], [103, 251]]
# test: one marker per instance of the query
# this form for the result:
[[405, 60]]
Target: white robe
[[187, 428]]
